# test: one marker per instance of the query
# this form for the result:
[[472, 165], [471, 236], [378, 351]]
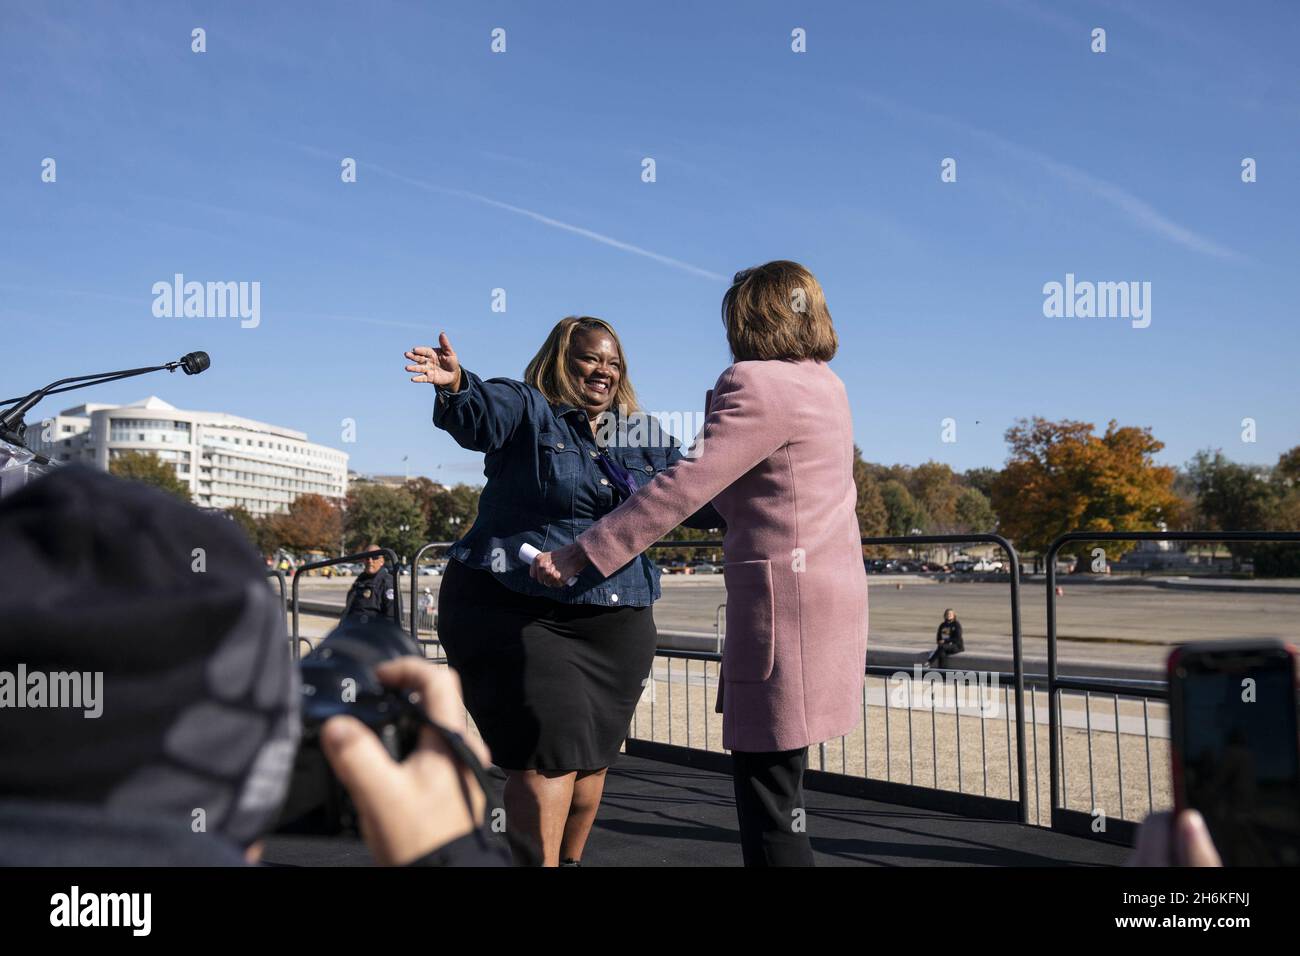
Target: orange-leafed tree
[[1060, 477], [312, 523]]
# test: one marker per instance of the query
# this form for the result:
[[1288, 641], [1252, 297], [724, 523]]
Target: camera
[[338, 678]]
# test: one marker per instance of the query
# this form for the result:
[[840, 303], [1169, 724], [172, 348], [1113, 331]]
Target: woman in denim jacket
[[551, 677]]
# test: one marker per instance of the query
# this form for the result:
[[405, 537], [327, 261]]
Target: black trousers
[[769, 805], [939, 656]]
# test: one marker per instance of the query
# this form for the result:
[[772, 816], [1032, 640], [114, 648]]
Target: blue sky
[[522, 171]]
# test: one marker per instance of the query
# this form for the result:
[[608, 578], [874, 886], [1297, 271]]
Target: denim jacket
[[545, 487]]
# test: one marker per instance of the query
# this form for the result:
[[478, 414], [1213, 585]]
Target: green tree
[[981, 479], [1275, 559], [150, 469], [974, 512], [448, 512], [1232, 497], [903, 511], [460, 512], [389, 516]]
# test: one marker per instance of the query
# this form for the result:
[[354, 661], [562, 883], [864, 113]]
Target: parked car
[[309, 557], [676, 567], [987, 564], [964, 566], [704, 567]]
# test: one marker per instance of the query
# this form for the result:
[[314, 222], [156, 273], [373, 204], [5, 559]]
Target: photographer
[[171, 734], [415, 811]]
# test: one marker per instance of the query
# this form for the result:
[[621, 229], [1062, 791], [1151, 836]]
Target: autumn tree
[[873, 517], [936, 490], [1287, 470], [1061, 477], [147, 467], [312, 523]]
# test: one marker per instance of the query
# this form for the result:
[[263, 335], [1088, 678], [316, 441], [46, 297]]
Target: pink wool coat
[[775, 457]]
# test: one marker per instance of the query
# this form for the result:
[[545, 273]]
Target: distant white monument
[[1157, 555]]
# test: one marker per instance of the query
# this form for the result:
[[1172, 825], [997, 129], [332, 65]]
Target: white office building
[[226, 460]]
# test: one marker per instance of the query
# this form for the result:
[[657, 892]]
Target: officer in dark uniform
[[374, 590], [947, 640]]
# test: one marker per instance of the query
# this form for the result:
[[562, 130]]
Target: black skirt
[[550, 686]]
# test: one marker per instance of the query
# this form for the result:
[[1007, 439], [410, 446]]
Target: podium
[[19, 465]]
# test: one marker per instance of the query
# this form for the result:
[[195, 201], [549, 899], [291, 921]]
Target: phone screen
[[1240, 759]]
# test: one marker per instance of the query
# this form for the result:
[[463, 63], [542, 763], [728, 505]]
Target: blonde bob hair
[[778, 311]]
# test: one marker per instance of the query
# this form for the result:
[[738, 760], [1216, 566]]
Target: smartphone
[[1235, 744]]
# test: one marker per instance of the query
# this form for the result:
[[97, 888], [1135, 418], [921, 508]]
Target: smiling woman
[[551, 677], [582, 364]]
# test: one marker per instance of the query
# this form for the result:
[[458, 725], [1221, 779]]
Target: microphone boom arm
[[12, 427]]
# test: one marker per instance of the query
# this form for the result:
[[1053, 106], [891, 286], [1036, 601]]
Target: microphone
[[195, 362], [12, 427]]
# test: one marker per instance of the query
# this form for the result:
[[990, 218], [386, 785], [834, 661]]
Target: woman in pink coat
[[775, 457]]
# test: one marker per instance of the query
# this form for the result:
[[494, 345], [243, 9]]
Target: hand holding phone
[[1235, 744]]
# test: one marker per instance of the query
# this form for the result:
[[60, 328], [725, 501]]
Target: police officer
[[374, 590]]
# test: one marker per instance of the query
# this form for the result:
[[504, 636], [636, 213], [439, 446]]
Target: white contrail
[[1134, 207], [548, 221]]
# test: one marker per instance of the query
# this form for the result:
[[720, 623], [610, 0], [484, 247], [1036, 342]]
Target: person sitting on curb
[[947, 640]]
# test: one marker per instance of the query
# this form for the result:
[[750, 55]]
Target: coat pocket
[[749, 651]]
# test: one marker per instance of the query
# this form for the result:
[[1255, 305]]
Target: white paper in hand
[[528, 554]]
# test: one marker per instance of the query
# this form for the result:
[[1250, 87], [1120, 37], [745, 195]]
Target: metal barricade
[[279, 576], [425, 618], [1095, 822], [389, 554], [700, 668]]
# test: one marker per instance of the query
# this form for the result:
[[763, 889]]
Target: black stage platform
[[662, 814]]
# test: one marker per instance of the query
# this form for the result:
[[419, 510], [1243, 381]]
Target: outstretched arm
[[743, 428], [481, 416], [707, 518]]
